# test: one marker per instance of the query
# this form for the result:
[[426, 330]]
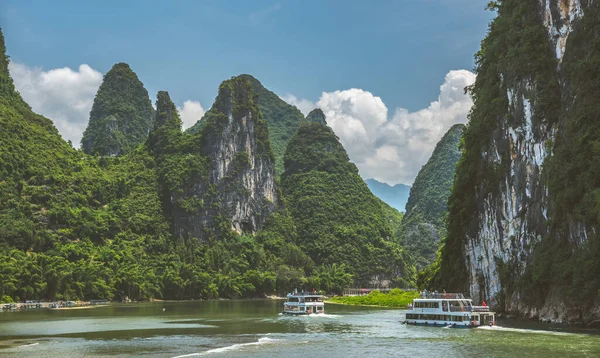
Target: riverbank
[[396, 298], [57, 305], [78, 307]]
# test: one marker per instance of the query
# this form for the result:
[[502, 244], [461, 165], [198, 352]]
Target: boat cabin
[[448, 309], [303, 303]]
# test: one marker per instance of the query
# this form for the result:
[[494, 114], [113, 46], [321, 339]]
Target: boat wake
[[28, 345], [234, 347], [308, 316], [322, 315], [522, 330]]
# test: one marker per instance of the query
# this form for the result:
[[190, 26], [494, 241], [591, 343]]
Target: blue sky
[[399, 51]]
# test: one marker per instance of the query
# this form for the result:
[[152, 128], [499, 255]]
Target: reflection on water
[[256, 328]]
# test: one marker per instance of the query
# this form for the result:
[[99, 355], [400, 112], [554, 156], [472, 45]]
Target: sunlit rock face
[[512, 202], [560, 17], [237, 187]]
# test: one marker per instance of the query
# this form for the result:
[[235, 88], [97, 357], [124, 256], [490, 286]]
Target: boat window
[[313, 299], [434, 304], [293, 299]]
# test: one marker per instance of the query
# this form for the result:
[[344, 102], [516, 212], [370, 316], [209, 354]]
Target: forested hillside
[[337, 218], [423, 225]]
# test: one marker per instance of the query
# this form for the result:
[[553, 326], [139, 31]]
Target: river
[[256, 329]]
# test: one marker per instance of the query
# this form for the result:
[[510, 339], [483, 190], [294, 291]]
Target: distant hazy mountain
[[395, 196]]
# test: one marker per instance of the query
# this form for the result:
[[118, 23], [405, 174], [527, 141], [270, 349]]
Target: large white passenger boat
[[301, 303], [448, 310]]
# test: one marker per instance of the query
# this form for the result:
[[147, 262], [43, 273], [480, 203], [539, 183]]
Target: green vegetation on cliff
[[393, 217], [515, 51], [282, 118], [518, 60], [121, 116], [570, 256], [423, 225], [337, 218]]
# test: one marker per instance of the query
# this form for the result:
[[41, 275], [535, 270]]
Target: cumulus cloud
[[63, 95], [393, 149], [190, 113], [304, 105]]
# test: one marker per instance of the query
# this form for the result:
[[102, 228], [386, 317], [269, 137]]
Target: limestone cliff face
[[503, 210], [236, 187]]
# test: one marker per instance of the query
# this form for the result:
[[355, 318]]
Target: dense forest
[[338, 219], [80, 226]]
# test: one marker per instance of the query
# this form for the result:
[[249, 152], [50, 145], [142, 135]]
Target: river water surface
[[256, 329]]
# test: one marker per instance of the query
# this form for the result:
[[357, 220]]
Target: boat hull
[[302, 313], [439, 324]]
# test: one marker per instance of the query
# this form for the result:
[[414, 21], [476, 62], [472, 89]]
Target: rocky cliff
[[522, 226], [222, 178], [423, 224], [121, 116], [316, 116], [282, 119]]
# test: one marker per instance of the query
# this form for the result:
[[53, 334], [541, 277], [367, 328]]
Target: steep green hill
[[393, 217], [337, 218], [423, 224], [282, 118], [122, 114]]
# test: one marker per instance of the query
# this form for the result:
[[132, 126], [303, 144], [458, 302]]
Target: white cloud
[[63, 95], [393, 150], [304, 105], [190, 113]]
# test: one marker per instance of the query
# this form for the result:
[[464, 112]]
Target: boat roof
[[304, 294], [443, 295]]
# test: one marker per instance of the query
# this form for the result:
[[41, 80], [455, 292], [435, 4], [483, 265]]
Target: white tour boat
[[448, 310], [302, 303]]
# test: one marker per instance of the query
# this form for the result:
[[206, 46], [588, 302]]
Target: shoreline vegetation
[[396, 298]]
